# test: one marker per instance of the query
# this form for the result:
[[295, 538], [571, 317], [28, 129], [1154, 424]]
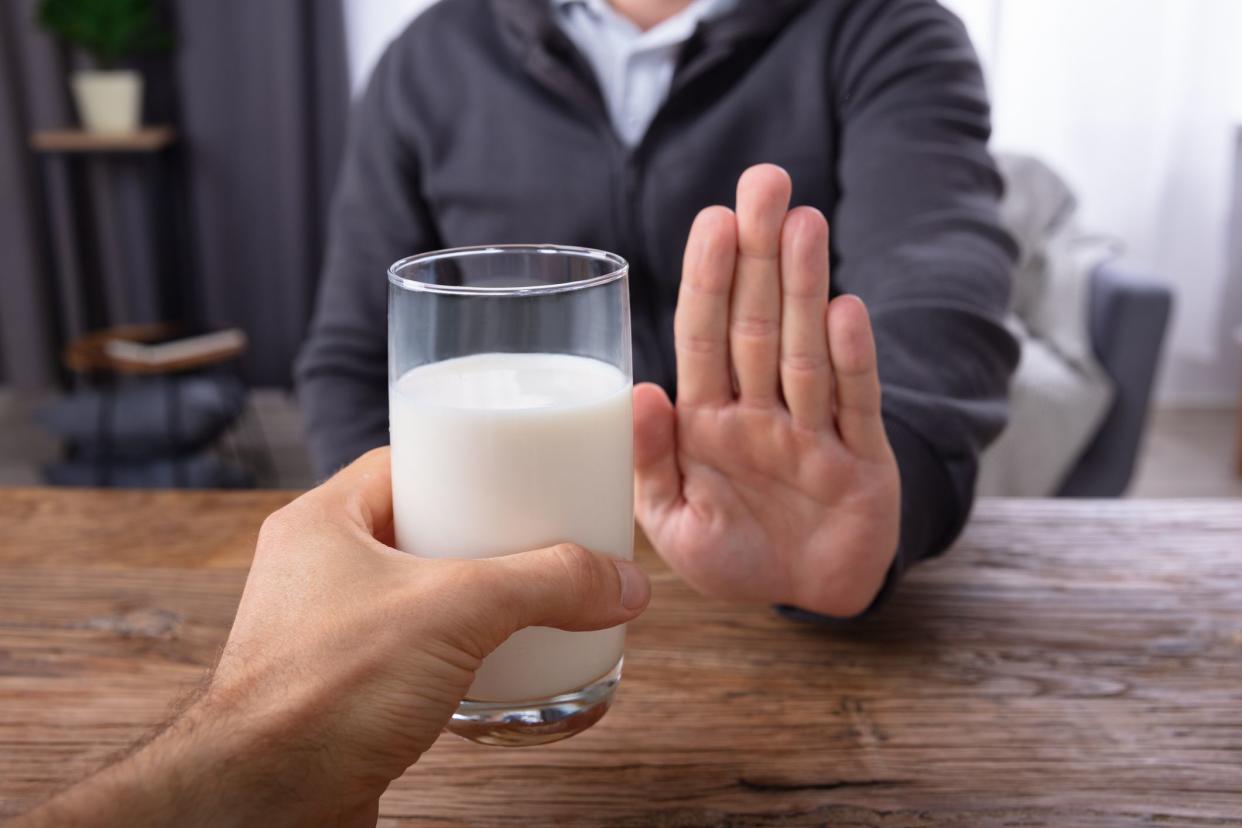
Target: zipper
[[628, 170]]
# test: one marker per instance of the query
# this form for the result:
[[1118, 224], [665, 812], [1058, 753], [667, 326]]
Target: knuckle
[[699, 344], [804, 361], [860, 406], [274, 530], [751, 326], [802, 290], [700, 286], [760, 254], [578, 564], [373, 454], [806, 289], [859, 370]]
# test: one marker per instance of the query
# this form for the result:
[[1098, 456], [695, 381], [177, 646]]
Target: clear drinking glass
[[511, 427]]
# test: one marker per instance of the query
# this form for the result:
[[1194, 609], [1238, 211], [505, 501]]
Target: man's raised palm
[[771, 480]]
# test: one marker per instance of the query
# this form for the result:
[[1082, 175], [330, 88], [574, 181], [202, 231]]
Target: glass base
[[538, 721]]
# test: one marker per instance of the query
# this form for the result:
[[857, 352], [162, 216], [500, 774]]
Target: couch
[[1129, 317]]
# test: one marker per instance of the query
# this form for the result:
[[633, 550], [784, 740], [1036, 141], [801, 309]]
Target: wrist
[[239, 761]]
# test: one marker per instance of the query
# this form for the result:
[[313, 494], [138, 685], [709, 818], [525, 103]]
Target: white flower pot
[[108, 101]]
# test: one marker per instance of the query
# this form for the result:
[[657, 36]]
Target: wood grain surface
[[1070, 663]]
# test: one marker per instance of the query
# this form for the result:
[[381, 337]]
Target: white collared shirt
[[634, 68]]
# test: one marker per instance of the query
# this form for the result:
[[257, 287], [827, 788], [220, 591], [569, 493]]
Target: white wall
[[369, 27]]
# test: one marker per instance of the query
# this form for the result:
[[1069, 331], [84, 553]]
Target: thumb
[[566, 587], [657, 479]]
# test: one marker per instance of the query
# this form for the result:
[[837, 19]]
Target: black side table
[[113, 269]]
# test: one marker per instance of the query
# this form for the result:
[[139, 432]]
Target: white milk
[[500, 453]]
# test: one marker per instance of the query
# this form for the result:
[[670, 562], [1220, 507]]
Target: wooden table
[[1070, 664]]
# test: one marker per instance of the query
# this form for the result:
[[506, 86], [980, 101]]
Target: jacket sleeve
[[917, 236], [378, 216]]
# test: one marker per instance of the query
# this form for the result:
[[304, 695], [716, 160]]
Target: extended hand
[[772, 479], [346, 659]]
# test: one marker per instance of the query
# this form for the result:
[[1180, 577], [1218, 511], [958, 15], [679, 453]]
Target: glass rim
[[620, 267]]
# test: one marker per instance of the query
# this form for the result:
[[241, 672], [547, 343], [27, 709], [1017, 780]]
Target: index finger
[[701, 322], [364, 490]]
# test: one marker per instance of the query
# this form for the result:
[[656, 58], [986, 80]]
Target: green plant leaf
[[108, 30]]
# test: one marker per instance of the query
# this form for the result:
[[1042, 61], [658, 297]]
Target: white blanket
[[1060, 393]]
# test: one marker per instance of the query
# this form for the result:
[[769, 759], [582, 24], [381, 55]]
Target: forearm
[[378, 216], [919, 239], [341, 371], [174, 778], [346, 415], [206, 768]]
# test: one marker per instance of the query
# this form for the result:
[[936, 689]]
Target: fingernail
[[635, 588]]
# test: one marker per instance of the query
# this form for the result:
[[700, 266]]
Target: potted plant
[[109, 98]]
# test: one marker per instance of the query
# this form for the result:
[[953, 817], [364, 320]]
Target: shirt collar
[[677, 28]]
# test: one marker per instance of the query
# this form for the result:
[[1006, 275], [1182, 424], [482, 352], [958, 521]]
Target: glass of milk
[[511, 427]]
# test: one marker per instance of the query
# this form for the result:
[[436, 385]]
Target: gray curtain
[[258, 92], [31, 95], [264, 95]]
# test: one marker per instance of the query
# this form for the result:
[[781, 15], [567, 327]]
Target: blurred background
[[183, 195]]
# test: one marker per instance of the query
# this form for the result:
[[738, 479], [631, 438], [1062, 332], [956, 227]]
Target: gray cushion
[[146, 418]]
